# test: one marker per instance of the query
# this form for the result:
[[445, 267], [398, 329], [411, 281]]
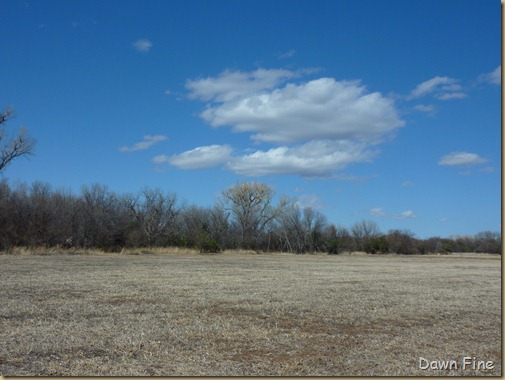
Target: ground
[[245, 314]]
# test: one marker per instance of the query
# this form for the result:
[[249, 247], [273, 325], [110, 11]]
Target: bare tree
[[339, 239], [303, 229], [101, 224], [363, 232], [402, 242], [251, 205], [155, 213], [13, 147], [488, 242]]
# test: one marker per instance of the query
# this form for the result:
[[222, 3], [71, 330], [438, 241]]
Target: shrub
[[377, 245], [334, 246], [210, 246]]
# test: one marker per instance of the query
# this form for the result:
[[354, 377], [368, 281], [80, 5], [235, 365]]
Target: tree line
[[246, 216]]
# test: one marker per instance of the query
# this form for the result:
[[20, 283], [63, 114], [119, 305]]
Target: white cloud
[[199, 158], [407, 184], [309, 201], [317, 127], [377, 211], [430, 109], [451, 95], [494, 77], [461, 159], [161, 159], [406, 214], [319, 109], [285, 54], [143, 45], [146, 143], [443, 88], [313, 159], [230, 85], [488, 169]]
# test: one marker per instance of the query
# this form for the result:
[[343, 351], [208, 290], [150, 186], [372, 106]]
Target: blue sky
[[381, 110]]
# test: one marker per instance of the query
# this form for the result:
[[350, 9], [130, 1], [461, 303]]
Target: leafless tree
[[339, 239], [363, 232], [13, 147], [488, 242], [251, 206], [303, 229], [402, 242], [155, 212], [101, 221]]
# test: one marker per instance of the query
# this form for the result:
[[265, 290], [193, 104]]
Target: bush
[[210, 246], [334, 247], [377, 245]]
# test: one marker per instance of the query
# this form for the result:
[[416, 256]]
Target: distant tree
[[303, 229], [401, 242], [219, 226], [13, 147], [101, 224], [41, 216], [6, 216], [155, 212], [251, 206], [338, 240], [488, 242], [363, 231]]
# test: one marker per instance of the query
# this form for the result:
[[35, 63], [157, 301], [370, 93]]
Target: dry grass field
[[244, 314]]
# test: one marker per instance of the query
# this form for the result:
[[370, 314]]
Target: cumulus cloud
[[494, 77], [316, 127], [202, 157], [443, 88], [319, 109], [146, 143], [461, 159], [143, 45], [312, 159], [230, 85]]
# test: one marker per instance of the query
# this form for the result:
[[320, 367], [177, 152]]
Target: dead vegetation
[[246, 314]]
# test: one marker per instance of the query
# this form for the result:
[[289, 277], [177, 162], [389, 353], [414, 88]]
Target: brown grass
[[246, 314]]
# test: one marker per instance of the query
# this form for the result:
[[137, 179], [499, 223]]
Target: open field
[[237, 314]]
